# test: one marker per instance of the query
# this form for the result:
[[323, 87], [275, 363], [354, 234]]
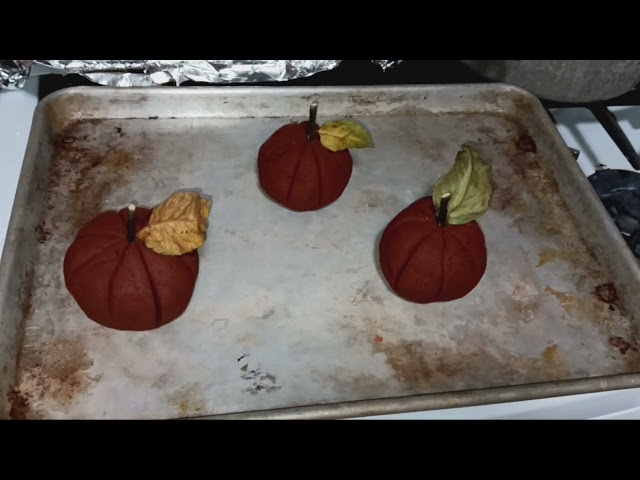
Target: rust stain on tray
[[590, 306], [343, 380], [549, 355], [526, 143], [532, 176], [420, 365], [84, 171], [527, 189], [622, 345], [54, 371], [548, 255], [607, 293], [189, 400], [570, 303], [20, 409], [42, 234]]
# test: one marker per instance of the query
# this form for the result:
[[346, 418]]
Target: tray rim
[[438, 401], [359, 408]]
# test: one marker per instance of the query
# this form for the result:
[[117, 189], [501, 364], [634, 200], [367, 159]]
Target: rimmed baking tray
[[291, 317]]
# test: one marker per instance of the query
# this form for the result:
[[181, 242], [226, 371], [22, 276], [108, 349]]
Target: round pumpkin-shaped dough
[[424, 262], [125, 285], [302, 174]]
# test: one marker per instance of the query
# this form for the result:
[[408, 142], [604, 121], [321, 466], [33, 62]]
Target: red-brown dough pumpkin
[[435, 251], [305, 167], [423, 262], [302, 174], [122, 284]]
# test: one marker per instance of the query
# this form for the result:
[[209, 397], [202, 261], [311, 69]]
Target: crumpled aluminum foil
[[145, 73], [13, 73]]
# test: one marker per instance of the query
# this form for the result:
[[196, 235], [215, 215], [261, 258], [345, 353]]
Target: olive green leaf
[[469, 183], [344, 134]]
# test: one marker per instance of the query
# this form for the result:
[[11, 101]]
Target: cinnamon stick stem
[[131, 226], [442, 213], [311, 128]]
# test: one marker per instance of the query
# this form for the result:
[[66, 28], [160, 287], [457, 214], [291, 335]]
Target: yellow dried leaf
[[177, 226], [344, 134]]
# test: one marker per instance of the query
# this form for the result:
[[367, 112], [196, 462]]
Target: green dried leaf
[[344, 134], [244, 368], [469, 183]]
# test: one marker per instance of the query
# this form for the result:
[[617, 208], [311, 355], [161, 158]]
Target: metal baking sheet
[[291, 317]]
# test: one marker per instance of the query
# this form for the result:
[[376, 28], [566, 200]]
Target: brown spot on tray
[[20, 407], [533, 174], [607, 293], [547, 255], [549, 355], [575, 303], [189, 400], [407, 359], [378, 339], [526, 144], [42, 234], [570, 303], [526, 187], [85, 170], [422, 366], [622, 345], [581, 306], [55, 371], [343, 381]]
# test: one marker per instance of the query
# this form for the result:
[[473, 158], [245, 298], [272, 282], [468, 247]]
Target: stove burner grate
[[619, 190]]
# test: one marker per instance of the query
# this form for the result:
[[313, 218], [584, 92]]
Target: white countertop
[[16, 112]]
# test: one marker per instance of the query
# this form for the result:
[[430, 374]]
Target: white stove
[[578, 127], [581, 130]]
